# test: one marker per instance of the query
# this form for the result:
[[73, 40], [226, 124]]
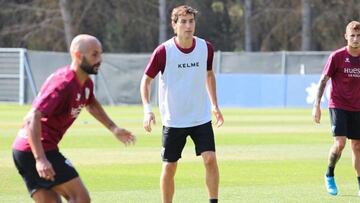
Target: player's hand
[[124, 136], [149, 118], [218, 115], [316, 113], [45, 169]]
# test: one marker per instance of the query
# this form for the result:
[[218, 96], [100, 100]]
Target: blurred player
[[46, 172], [187, 81], [343, 68]]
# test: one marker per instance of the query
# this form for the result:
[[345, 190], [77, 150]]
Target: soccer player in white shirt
[[187, 96]]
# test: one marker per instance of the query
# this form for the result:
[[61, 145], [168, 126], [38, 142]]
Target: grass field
[[265, 155]]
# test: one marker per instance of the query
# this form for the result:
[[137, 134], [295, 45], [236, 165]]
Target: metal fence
[[271, 62], [119, 78], [15, 72]]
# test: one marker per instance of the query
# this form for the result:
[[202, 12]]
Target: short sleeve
[[330, 66], [210, 58], [157, 62], [50, 98]]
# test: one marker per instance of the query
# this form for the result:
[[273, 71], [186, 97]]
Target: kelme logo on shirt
[[188, 65]]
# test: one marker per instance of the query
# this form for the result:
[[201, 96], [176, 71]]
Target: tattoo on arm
[[321, 90], [111, 125], [333, 159]]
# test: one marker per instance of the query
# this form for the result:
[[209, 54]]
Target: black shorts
[[345, 123], [25, 163], [174, 139]]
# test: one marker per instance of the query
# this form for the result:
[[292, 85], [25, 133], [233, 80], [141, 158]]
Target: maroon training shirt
[[344, 71], [60, 100]]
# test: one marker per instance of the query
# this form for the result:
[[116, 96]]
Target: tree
[[329, 21], [64, 6], [247, 22], [31, 24], [306, 26], [139, 26], [162, 21]]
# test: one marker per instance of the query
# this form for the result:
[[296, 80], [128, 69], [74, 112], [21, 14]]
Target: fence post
[[218, 62], [283, 62], [21, 77], [29, 74], [284, 73]]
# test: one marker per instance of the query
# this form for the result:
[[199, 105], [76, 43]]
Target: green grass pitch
[[264, 155]]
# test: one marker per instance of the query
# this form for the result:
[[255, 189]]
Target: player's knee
[[47, 200], [169, 167], [52, 201], [340, 145], [356, 146], [83, 197], [46, 196], [209, 158], [86, 199]]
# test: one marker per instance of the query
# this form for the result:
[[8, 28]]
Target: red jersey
[[344, 71], [158, 59], [60, 101]]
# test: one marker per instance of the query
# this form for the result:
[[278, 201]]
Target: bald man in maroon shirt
[[46, 172]]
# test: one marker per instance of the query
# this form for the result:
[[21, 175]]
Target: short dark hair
[[182, 10]]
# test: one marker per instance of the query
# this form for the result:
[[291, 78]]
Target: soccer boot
[[331, 185]]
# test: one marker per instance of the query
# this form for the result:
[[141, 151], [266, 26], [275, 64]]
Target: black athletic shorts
[[174, 139], [345, 123], [25, 163]]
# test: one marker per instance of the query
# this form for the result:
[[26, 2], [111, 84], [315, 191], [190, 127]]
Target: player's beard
[[88, 68], [356, 46]]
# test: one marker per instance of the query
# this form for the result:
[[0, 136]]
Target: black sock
[[213, 200], [358, 178], [330, 172]]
